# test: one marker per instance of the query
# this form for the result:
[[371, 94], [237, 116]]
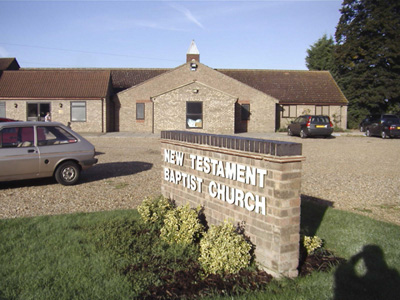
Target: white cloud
[[188, 14]]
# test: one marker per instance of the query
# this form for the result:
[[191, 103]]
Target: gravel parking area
[[349, 172]]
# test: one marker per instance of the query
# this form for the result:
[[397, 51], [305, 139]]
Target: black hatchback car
[[308, 125], [385, 126]]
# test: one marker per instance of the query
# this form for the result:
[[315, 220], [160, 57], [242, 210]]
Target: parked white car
[[43, 149]]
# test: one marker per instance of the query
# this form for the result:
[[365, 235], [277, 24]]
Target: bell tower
[[193, 53]]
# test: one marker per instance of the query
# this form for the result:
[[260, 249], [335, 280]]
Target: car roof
[[30, 123]]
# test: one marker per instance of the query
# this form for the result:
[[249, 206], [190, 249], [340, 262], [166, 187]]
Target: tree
[[367, 56], [320, 55]]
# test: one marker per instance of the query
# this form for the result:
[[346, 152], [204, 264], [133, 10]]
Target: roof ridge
[[90, 69], [272, 70]]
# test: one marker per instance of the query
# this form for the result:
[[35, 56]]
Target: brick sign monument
[[242, 180]]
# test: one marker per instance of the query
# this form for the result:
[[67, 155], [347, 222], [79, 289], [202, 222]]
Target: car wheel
[[384, 135], [67, 173], [289, 132], [303, 135], [367, 132]]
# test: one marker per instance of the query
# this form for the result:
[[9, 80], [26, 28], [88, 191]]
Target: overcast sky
[[157, 34]]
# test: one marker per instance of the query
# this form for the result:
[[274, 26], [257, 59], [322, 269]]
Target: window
[[2, 109], [139, 111], [245, 112], [49, 135], [289, 111], [16, 137], [322, 110], [37, 111], [78, 111], [194, 114]]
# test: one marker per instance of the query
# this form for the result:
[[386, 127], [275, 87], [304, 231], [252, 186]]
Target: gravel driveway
[[351, 172]]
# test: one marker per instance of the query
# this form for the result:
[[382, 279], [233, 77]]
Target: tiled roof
[[8, 64], [54, 84], [295, 87], [126, 78], [289, 87]]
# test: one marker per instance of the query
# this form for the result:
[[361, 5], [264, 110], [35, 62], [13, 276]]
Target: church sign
[[248, 181]]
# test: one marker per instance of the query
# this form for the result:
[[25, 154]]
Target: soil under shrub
[[189, 284]]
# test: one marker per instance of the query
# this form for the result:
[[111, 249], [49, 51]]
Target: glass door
[[37, 111]]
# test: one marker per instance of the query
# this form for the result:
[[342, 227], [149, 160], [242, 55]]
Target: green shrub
[[181, 226], [312, 243], [223, 250], [153, 211]]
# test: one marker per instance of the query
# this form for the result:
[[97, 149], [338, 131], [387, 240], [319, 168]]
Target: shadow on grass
[[366, 276], [312, 213]]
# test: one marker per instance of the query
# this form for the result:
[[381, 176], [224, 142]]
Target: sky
[[261, 34]]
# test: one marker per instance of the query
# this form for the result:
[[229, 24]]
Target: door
[[19, 158], [296, 125], [375, 126], [278, 114], [37, 111]]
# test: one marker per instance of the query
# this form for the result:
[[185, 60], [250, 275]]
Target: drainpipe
[[102, 115], [152, 117]]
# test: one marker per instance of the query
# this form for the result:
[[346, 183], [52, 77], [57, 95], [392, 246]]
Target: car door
[[375, 126], [296, 125], [19, 157]]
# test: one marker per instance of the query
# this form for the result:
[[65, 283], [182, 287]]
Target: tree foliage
[[320, 55], [367, 56]]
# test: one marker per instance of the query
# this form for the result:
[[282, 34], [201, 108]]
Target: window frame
[[143, 111], [245, 112], [3, 109], [194, 115], [289, 111], [54, 135], [84, 107], [17, 137], [321, 110]]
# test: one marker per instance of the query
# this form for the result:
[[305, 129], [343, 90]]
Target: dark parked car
[[43, 149], [364, 123], [385, 126], [308, 125]]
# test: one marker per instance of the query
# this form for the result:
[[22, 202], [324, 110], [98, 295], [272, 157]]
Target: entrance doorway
[[37, 111]]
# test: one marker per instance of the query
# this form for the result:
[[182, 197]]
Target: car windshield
[[320, 119]]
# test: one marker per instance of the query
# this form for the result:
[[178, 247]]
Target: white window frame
[[80, 108]]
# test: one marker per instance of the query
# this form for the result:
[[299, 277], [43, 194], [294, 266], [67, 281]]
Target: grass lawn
[[110, 255]]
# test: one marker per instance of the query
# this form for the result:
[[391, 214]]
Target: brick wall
[[96, 113], [218, 109], [263, 192]]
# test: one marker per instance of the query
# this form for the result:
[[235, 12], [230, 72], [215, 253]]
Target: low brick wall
[[246, 181]]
